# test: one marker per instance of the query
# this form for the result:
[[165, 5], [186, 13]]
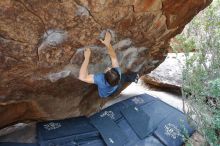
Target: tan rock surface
[[41, 45], [168, 75]]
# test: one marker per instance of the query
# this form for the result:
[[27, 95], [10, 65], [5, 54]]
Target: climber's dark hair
[[112, 77]]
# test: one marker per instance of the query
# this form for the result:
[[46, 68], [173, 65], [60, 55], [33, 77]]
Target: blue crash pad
[[16, 144], [70, 131], [139, 121], [138, 100], [97, 142], [113, 111], [149, 141], [134, 140], [110, 131], [149, 115], [173, 128], [67, 127], [157, 112]]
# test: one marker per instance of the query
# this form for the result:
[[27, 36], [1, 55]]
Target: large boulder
[[168, 75], [42, 42]]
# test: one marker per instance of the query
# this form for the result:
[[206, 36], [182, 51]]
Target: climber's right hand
[[107, 39]]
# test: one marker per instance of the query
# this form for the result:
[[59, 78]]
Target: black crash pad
[[16, 144], [110, 131], [172, 130], [139, 121], [70, 132]]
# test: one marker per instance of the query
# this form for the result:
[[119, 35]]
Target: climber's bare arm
[[113, 56], [111, 51], [83, 73]]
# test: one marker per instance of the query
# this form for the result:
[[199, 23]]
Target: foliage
[[201, 76]]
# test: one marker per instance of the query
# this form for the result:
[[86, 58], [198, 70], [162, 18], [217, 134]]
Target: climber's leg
[[129, 77]]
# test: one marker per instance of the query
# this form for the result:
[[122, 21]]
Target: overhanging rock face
[[42, 42]]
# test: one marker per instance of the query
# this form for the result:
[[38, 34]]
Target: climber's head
[[112, 76]]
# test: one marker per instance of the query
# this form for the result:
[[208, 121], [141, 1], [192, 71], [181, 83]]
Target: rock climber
[[111, 79]]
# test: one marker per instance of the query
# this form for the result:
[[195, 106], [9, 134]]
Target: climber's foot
[[137, 78]]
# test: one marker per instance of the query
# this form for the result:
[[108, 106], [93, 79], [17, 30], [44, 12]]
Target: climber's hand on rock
[[107, 39], [87, 53]]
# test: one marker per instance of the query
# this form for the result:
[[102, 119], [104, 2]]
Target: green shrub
[[201, 75]]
